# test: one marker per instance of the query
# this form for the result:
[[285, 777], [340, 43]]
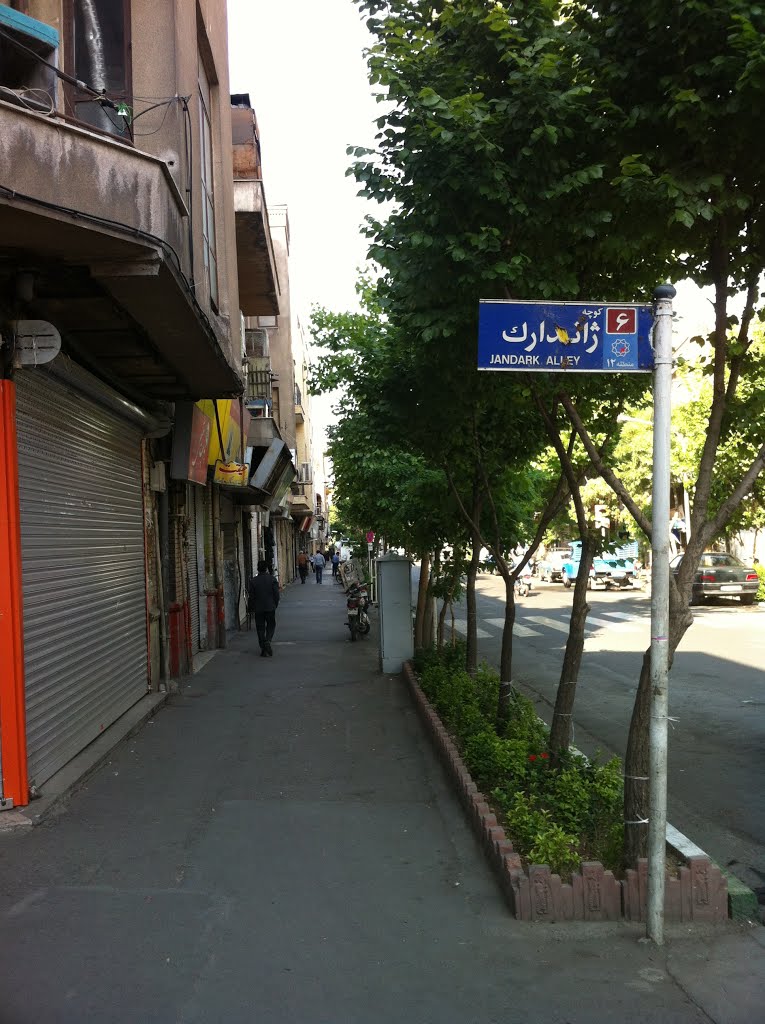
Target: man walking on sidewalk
[[318, 564], [302, 563], [264, 599]]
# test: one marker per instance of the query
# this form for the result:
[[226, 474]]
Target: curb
[[742, 901], [743, 904], [699, 894]]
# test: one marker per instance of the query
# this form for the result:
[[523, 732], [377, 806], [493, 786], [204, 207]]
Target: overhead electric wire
[[57, 71], [26, 98], [97, 94], [161, 103], [155, 130]]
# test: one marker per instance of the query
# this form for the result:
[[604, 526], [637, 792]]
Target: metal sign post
[[657, 812], [372, 587], [597, 337]]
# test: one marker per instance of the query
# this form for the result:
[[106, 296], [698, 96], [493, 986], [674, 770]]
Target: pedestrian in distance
[[335, 563], [264, 600], [318, 564], [302, 564]]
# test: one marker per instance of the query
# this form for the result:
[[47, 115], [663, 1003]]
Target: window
[[25, 80], [208, 191], [717, 561], [98, 55]]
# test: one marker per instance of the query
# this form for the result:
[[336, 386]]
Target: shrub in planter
[[760, 570], [486, 685], [524, 724], [536, 835], [555, 815], [455, 699], [585, 798], [488, 757]]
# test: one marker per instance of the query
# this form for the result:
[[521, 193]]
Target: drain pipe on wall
[[217, 543], [164, 645]]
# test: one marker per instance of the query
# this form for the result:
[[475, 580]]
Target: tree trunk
[[471, 656], [422, 596], [506, 657], [636, 761], [429, 621], [447, 606], [560, 731], [441, 620]]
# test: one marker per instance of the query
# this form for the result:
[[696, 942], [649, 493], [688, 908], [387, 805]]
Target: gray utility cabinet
[[395, 601]]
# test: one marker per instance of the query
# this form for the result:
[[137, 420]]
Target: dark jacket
[[264, 593]]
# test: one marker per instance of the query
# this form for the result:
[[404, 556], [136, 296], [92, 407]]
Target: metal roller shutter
[[83, 572]]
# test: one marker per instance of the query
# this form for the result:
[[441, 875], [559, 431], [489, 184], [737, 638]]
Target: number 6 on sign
[[621, 321]]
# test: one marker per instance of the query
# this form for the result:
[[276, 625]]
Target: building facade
[[135, 492]]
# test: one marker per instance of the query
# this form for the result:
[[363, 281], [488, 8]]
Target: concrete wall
[[281, 339], [168, 41], [82, 170], [245, 139]]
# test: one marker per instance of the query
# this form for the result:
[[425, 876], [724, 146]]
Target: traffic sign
[[578, 337], [370, 536]]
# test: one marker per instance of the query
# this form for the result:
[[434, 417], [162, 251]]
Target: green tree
[[474, 155], [680, 86], [587, 148]]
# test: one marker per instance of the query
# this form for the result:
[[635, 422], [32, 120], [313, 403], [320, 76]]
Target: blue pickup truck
[[610, 571]]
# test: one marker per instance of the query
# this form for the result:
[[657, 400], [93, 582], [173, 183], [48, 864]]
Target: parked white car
[[551, 566]]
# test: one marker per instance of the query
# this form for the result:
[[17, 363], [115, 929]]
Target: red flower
[[532, 757], [544, 756]]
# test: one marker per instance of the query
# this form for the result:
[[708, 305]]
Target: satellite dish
[[37, 342]]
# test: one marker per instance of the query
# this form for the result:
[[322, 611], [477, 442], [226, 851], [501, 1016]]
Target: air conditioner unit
[[158, 477]]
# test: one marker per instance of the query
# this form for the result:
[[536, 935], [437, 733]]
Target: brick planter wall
[[699, 893]]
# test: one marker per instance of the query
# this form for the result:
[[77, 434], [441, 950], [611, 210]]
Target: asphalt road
[[717, 699]]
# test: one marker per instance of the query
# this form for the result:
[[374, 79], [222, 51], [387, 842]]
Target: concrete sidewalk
[[278, 845]]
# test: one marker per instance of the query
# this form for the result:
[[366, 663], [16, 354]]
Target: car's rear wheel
[[748, 598]]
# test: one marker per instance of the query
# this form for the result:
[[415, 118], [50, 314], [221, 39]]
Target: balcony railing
[[300, 498], [259, 398]]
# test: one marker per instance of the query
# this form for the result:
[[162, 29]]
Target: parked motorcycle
[[523, 584], [357, 604], [352, 606]]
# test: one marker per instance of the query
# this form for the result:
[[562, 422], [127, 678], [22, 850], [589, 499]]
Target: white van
[[551, 566]]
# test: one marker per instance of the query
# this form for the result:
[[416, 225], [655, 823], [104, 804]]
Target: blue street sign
[[579, 337]]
